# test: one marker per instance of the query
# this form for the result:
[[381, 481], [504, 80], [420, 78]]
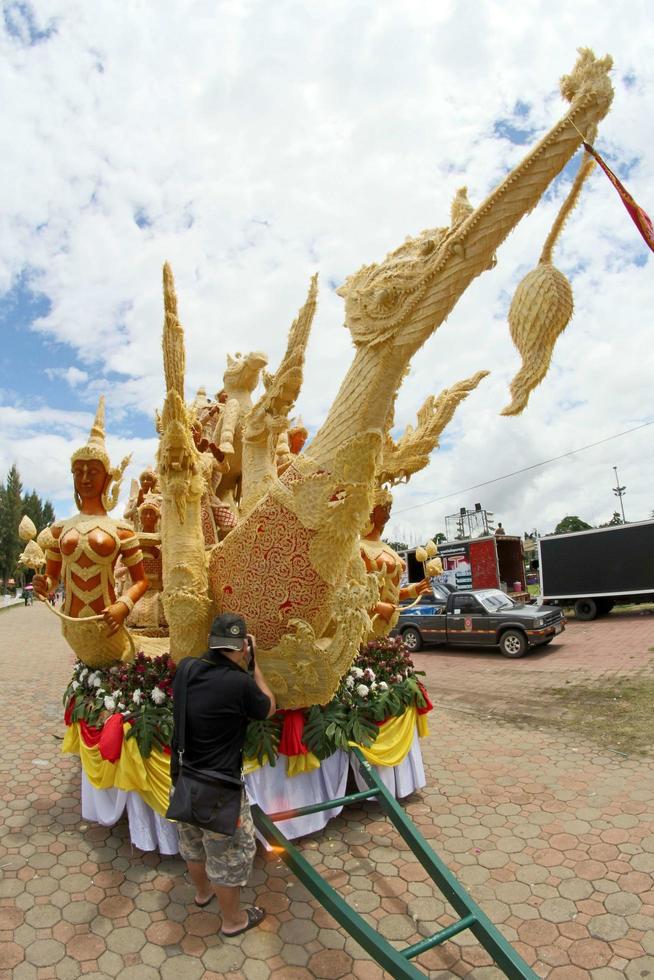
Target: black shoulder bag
[[202, 797]]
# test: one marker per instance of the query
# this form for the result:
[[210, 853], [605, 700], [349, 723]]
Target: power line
[[524, 469]]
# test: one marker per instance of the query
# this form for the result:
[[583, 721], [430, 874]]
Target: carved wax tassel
[[542, 307]]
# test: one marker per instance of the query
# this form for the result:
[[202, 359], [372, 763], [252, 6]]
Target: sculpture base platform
[[269, 786]]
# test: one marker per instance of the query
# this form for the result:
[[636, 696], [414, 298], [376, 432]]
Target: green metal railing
[[394, 961]]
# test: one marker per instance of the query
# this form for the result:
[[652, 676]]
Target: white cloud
[[72, 375], [251, 144]]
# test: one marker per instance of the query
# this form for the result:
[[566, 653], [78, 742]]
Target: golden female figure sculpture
[[84, 550], [378, 556]]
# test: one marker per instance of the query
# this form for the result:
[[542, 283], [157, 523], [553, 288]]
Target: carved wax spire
[[95, 446]]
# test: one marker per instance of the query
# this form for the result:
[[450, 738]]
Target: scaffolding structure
[[469, 523]]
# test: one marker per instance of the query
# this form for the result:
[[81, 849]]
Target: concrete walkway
[[554, 839]]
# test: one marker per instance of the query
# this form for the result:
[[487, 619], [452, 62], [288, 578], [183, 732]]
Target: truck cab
[[478, 617]]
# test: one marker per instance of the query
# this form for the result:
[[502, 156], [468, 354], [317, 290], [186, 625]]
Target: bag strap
[[215, 774], [183, 671]]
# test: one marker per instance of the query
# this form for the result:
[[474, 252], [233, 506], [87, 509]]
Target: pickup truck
[[480, 617]]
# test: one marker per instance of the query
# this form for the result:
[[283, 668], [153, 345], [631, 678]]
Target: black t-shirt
[[221, 698]]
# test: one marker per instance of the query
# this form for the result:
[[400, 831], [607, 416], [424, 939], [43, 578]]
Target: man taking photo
[[225, 690]]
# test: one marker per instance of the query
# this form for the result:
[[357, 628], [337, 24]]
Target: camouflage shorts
[[228, 860]]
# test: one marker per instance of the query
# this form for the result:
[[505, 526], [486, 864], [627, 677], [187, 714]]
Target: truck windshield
[[494, 599]]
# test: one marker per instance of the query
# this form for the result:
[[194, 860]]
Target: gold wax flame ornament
[[26, 529], [434, 567]]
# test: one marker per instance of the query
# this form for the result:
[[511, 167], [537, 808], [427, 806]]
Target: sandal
[[203, 905], [255, 916]]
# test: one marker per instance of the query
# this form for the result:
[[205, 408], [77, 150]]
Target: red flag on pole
[[639, 217]]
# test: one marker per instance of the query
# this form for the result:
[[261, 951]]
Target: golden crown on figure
[[95, 449]]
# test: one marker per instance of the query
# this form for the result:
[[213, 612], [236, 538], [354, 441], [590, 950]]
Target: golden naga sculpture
[[84, 550], [294, 563], [186, 603]]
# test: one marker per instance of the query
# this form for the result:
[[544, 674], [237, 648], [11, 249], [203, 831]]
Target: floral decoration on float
[[120, 720], [378, 706]]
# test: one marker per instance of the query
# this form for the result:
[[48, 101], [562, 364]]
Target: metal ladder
[[394, 961]]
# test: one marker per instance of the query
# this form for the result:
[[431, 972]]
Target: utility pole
[[619, 492]]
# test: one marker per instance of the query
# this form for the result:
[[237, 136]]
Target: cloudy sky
[[252, 143]]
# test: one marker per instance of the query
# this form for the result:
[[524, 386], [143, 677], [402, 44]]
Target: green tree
[[10, 515], [571, 523], [439, 537], [48, 514], [13, 505], [615, 520]]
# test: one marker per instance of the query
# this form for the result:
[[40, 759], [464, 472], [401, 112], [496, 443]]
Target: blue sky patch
[[20, 23]]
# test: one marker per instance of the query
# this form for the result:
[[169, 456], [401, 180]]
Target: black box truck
[[597, 569]]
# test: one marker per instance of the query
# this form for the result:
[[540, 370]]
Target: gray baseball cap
[[227, 632]]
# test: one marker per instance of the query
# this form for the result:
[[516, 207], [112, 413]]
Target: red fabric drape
[[428, 705], [111, 738], [290, 742], [68, 713], [639, 217]]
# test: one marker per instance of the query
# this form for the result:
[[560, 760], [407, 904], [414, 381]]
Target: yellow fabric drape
[[395, 738], [150, 777], [423, 726], [296, 764], [251, 765]]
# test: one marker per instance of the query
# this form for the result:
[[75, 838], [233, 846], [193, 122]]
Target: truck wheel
[[586, 609], [513, 643], [412, 639]]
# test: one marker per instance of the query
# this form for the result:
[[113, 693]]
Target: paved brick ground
[[554, 839]]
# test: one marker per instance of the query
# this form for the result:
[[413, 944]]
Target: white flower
[[369, 674], [83, 673], [362, 690], [374, 686], [95, 682], [356, 672], [136, 696], [121, 706], [349, 681], [117, 695], [100, 691], [109, 703], [383, 686], [157, 695], [75, 685]]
